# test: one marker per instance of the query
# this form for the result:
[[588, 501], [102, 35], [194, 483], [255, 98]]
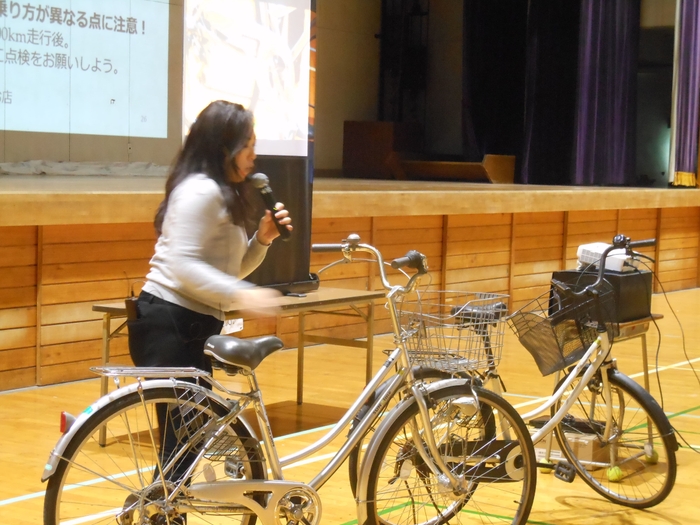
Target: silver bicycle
[[177, 449], [610, 431]]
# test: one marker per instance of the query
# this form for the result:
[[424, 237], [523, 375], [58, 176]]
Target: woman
[[203, 252], [201, 256]]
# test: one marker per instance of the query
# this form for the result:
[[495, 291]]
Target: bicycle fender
[[399, 409], [665, 426], [59, 449]]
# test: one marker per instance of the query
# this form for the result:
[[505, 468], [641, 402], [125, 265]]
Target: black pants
[[168, 335]]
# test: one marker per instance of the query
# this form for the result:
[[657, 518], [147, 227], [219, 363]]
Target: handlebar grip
[[413, 259], [401, 262], [325, 248], [642, 244], [561, 287]]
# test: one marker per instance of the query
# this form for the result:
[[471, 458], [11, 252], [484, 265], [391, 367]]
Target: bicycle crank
[[299, 506]]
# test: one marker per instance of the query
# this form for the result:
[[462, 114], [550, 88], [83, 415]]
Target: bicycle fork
[[436, 464]]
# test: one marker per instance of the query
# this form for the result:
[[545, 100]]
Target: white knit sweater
[[201, 257]]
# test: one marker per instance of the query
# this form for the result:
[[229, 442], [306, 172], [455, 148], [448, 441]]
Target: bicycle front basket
[[557, 331], [452, 330]]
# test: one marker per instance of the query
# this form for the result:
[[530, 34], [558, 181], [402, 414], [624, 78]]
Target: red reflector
[[67, 421]]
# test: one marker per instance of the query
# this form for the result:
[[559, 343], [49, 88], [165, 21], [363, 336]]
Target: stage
[[54, 199]]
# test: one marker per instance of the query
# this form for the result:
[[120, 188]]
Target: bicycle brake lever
[[560, 286]]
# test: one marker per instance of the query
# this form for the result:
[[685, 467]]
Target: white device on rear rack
[[617, 260]]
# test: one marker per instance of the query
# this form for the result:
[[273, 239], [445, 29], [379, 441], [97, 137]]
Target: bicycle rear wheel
[[489, 447], [129, 479], [636, 466]]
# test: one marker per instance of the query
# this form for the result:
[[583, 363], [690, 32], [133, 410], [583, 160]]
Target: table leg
[[300, 361], [104, 381], [645, 362]]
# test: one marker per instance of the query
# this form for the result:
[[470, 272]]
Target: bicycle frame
[[601, 361], [225, 494], [601, 349]]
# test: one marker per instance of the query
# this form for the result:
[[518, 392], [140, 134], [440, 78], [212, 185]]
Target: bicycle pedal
[[565, 471]]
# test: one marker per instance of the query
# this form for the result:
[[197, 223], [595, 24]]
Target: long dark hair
[[221, 131]]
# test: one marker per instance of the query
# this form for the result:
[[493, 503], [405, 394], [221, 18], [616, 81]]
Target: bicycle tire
[[644, 470], [402, 490], [121, 481]]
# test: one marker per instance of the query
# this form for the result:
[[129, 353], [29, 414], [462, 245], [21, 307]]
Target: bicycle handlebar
[[642, 244], [413, 259], [326, 248]]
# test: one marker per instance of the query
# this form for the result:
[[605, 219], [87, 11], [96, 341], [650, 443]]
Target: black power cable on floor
[[658, 345]]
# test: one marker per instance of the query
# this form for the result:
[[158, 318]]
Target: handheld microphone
[[262, 183]]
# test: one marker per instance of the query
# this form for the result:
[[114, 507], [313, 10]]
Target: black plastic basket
[[557, 330]]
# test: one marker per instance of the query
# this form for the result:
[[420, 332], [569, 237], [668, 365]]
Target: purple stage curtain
[[492, 77], [605, 133], [687, 95], [550, 91]]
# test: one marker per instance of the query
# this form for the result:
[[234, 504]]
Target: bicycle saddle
[[479, 314], [233, 354]]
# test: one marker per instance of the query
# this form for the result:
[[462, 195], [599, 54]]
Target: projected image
[[85, 67], [256, 53]]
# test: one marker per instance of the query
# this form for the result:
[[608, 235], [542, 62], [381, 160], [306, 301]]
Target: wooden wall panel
[[86, 233], [17, 318], [538, 245], [679, 233], [18, 378], [17, 297], [18, 292], [80, 266], [51, 276], [69, 371], [477, 252], [75, 351], [62, 293]]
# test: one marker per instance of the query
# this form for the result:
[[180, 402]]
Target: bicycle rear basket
[[558, 330], [453, 330]]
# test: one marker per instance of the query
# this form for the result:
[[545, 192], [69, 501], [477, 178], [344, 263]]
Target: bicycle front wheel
[[423, 374], [139, 475], [635, 465], [487, 446]]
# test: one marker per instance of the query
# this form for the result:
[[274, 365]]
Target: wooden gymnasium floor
[[29, 422]]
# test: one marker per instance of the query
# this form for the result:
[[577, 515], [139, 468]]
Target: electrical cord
[[640, 256], [680, 326], [658, 347]]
